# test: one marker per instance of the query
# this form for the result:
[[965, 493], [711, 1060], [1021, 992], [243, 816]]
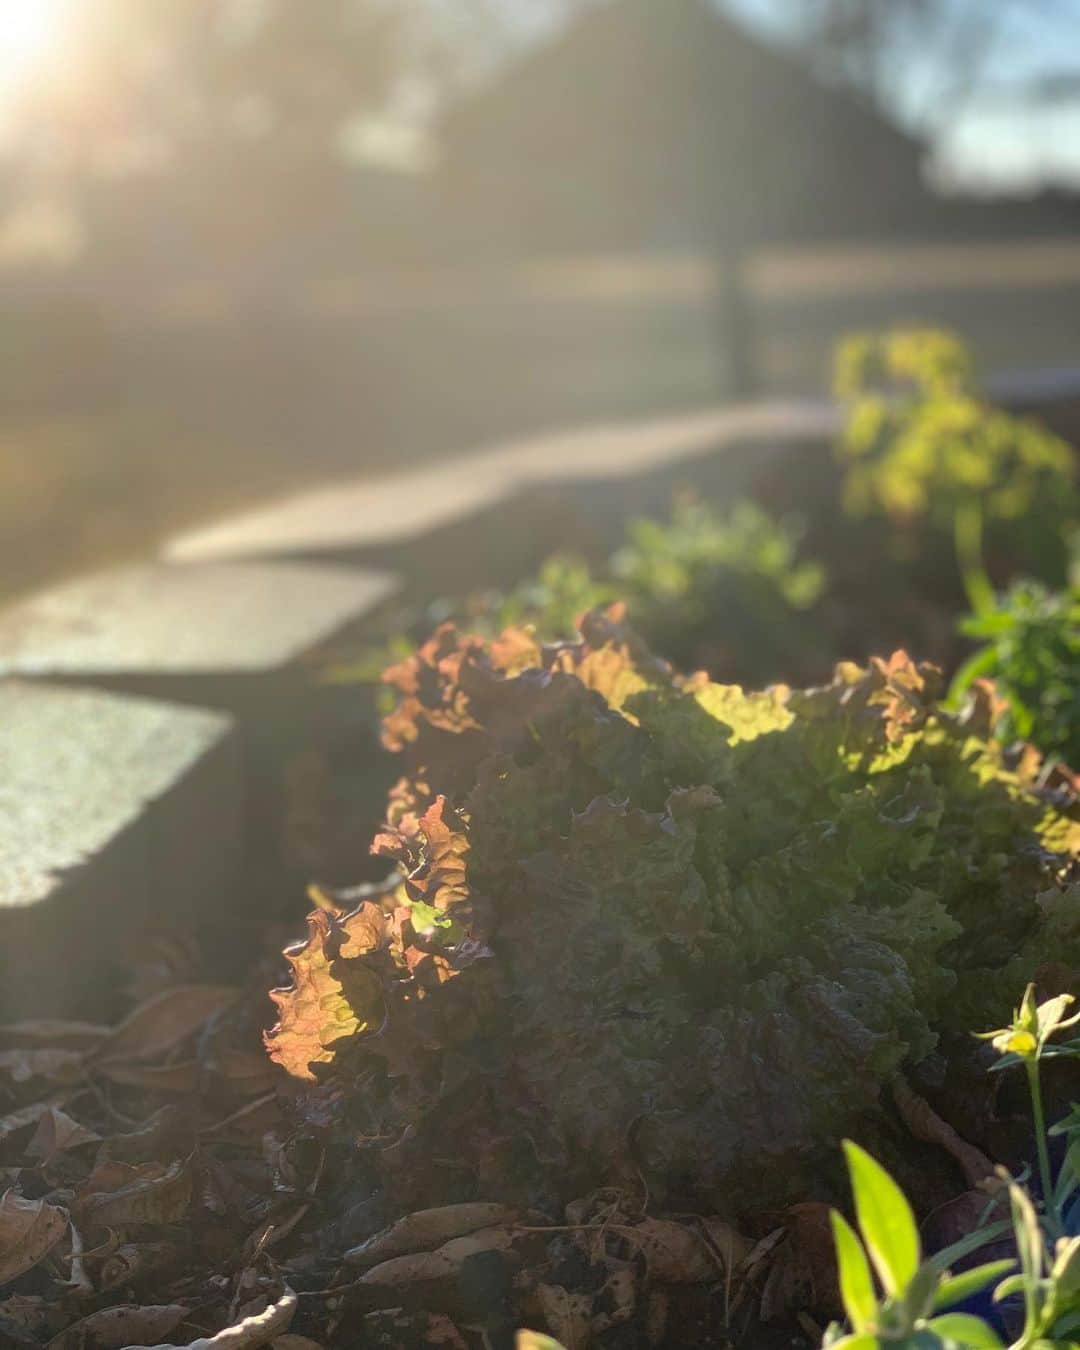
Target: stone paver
[[238, 638], [153, 619], [381, 518], [117, 815]]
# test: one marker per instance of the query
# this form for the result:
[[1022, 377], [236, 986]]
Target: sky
[[992, 143]]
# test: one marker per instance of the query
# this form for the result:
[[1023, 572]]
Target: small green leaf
[[959, 1287], [919, 1296], [859, 1341], [1069, 1176], [885, 1219], [970, 1332], [971, 1242], [1065, 1272], [1029, 1242], [1015, 1284], [856, 1282], [1067, 1323]]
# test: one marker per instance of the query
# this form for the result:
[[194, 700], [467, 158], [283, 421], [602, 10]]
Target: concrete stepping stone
[[492, 516], [118, 816], [243, 639], [153, 623]]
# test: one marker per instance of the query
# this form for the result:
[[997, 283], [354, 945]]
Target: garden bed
[[605, 957]]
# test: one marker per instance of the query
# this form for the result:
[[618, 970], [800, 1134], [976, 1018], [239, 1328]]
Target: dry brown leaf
[[568, 1315], [25, 1312], [57, 1133], [246, 1072], [291, 1342], [49, 1033], [445, 1260], [117, 1327], [165, 1134], [136, 1262], [163, 1021], [181, 1079], [674, 1253], [729, 1244], [441, 1331], [56, 1065], [416, 1268], [428, 1228], [261, 1329], [656, 1315], [498, 1239], [803, 1271], [163, 1198], [29, 1230], [21, 1119], [618, 1298], [925, 1124]]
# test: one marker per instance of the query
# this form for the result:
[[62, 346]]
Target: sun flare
[[29, 30]]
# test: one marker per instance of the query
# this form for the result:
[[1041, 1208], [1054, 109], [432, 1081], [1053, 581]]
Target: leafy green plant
[[907, 1310], [1048, 1281], [909, 1305], [918, 442], [722, 590], [664, 926], [1026, 1041], [726, 591], [1031, 650]]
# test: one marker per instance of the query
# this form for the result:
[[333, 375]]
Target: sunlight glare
[[29, 30]]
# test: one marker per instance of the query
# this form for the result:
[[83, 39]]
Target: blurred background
[[247, 245]]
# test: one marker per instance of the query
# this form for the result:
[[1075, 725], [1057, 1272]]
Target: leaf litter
[[164, 1184]]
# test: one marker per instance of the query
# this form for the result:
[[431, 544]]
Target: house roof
[[663, 120]]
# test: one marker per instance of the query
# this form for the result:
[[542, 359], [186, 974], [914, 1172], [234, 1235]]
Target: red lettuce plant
[[648, 925]]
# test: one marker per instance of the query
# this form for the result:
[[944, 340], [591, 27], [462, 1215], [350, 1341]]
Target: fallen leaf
[[674, 1253], [426, 1229], [568, 1315], [59, 1066], [732, 1248], [616, 1299], [25, 1313], [261, 1329], [132, 1263], [57, 1133], [117, 1327], [497, 1239], [22, 1119], [29, 1230], [416, 1268], [803, 1271], [167, 1133], [925, 1124], [163, 1021], [165, 1198], [181, 1079], [441, 1331], [49, 1033]]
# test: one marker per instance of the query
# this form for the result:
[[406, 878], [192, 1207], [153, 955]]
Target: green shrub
[[727, 592], [724, 592], [919, 443], [1031, 650], [912, 1302], [665, 926]]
